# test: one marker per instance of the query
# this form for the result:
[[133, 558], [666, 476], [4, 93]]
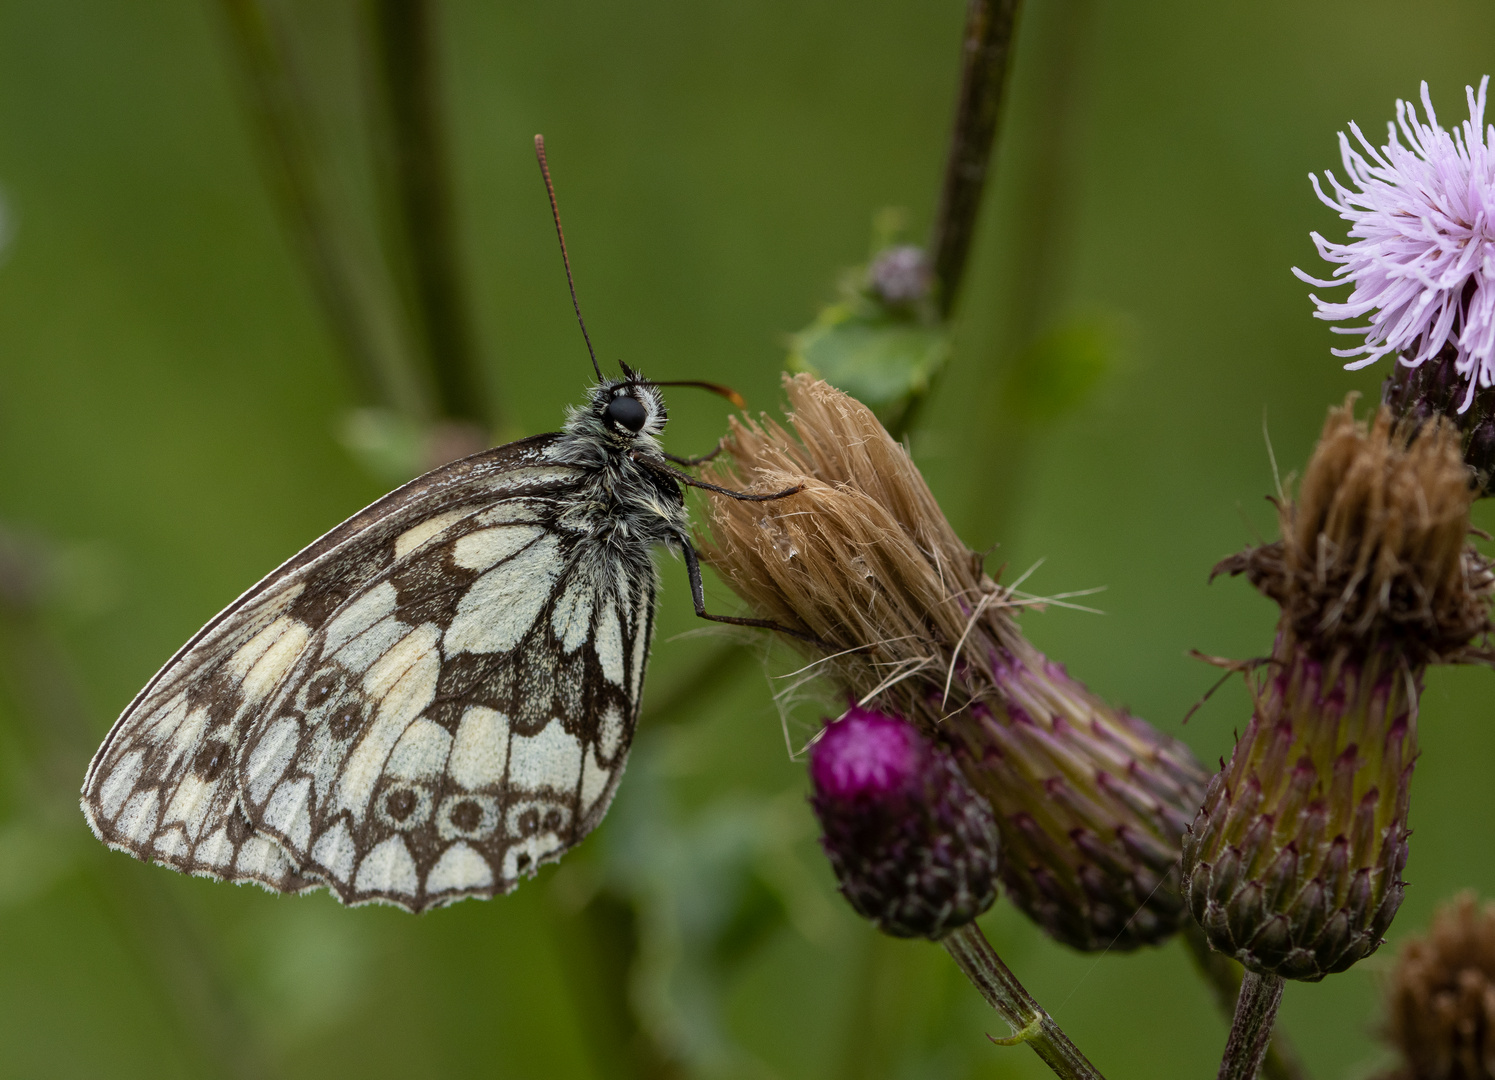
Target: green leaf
[[878, 358]]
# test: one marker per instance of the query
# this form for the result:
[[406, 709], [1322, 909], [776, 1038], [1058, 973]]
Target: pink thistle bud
[[914, 848]]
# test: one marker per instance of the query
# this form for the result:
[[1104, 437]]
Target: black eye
[[628, 412]]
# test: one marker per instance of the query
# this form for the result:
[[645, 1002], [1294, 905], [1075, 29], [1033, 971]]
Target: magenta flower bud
[[914, 848]]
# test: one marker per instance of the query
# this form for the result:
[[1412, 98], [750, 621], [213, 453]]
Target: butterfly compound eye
[[628, 412]]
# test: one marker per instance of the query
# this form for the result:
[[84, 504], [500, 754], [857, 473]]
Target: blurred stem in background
[[1029, 383], [344, 280], [414, 162], [400, 321], [886, 341], [51, 744], [987, 49]]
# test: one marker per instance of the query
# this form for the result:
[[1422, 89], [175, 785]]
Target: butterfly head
[[626, 411]]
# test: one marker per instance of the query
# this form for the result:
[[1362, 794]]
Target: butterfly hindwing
[[462, 719], [164, 785]]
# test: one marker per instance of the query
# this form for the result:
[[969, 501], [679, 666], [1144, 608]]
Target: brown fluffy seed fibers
[[1441, 997], [1374, 547], [862, 557]]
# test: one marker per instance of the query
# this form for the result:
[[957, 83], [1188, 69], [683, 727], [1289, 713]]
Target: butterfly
[[436, 697]]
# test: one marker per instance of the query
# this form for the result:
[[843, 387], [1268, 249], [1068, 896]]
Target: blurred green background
[[173, 417]]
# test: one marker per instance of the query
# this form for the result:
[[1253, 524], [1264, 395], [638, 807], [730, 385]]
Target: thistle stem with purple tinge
[[1030, 1023]]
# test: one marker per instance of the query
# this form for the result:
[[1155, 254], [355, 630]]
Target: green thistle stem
[[1029, 1022], [1255, 1011], [1223, 976]]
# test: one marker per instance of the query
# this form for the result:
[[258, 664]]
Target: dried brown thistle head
[[1441, 998], [862, 556], [1090, 801], [1374, 547]]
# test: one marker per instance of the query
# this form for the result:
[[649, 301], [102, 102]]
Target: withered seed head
[[1091, 802], [1440, 1002], [1375, 545], [861, 556]]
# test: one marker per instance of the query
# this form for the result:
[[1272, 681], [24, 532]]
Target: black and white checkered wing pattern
[[461, 720], [163, 788], [435, 598]]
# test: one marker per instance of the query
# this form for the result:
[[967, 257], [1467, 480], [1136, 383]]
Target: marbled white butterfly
[[434, 698]]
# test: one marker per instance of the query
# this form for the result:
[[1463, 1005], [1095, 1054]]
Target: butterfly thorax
[[626, 500]]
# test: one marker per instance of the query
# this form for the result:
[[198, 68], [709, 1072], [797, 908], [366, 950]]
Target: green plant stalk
[[417, 177], [368, 335], [1029, 1022], [1255, 1011], [1224, 978]]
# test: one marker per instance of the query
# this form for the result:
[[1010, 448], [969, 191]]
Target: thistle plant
[[1293, 865], [916, 852], [914, 848], [1091, 802]]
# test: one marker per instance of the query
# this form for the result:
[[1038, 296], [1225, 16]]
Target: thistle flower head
[[1293, 864], [1421, 249], [1440, 1001], [1375, 546], [914, 848], [1091, 802]]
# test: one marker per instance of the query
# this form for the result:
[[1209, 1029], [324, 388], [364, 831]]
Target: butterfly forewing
[[462, 719], [428, 701]]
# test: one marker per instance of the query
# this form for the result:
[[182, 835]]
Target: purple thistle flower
[[1421, 248], [914, 848]]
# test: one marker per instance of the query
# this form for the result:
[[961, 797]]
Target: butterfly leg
[[698, 597]]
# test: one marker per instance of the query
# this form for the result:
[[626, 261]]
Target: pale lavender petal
[[1420, 252]]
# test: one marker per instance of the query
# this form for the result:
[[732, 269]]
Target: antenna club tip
[[737, 400]]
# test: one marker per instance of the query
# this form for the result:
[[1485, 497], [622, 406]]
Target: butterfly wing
[[163, 786], [462, 719]]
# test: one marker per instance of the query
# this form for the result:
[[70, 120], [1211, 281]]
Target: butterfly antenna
[[555, 211]]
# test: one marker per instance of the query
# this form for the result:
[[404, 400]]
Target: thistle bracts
[[1295, 859], [1091, 803], [1092, 800], [914, 848], [1293, 865], [1433, 389]]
